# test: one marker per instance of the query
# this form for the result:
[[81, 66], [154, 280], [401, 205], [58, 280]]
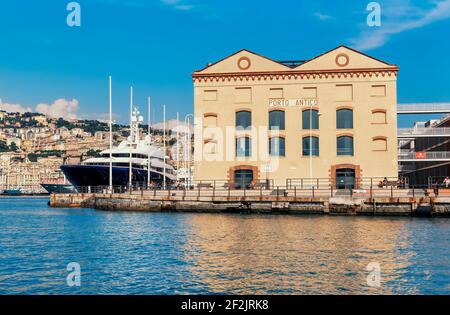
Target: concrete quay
[[182, 201]]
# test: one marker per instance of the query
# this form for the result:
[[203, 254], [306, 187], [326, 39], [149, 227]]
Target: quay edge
[[403, 206]]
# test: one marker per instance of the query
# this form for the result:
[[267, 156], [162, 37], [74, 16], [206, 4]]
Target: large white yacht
[[142, 153]]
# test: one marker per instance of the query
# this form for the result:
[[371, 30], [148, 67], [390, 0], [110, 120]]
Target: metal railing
[[422, 132], [423, 108], [438, 181], [358, 182], [276, 193], [423, 156], [264, 190]]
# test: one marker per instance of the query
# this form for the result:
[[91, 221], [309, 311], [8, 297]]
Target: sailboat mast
[[110, 136], [178, 143], [149, 143], [164, 139], [130, 170]]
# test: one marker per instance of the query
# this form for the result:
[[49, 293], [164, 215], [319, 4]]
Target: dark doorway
[[345, 178], [243, 178]]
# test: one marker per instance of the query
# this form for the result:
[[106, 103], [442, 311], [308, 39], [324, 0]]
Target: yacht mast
[[178, 143], [130, 170], [164, 140], [149, 143], [110, 137]]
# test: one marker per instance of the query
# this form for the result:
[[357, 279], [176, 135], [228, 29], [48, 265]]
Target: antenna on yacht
[[130, 171], [164, 139], [149, 142], [178, 143], [110, 136]]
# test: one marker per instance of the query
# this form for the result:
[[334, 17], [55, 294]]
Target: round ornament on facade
[[342, 60], [244, 63]]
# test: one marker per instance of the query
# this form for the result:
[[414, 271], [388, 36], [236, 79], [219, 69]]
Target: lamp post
[[310, 144], [187, 149]]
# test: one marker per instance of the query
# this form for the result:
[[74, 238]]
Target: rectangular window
[[309, 92], [243, 120], [310, 119], [344, 92], [276, 93], [310, 146], [378, 90], [277, 146], [344, 145], [243, 95], [243, 147], [344, 119], [210, 95], [276, 120]]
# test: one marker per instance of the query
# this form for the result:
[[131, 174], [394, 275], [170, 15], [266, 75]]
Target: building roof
[[341, 59]]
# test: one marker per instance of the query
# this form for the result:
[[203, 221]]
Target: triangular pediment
[[243, 61], [342, 58]]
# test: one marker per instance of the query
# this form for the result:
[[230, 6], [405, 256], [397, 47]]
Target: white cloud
[[322, 17], [61, 108], [104, 117], [171, 124], [178, 5], [407, 17], [14, 108]]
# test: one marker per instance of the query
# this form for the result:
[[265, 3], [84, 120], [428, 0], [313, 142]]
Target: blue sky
[[157, 44]]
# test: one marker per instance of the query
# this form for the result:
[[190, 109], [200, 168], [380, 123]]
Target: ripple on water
[[140, 253]]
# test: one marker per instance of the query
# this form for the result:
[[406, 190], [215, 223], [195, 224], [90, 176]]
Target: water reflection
[[142, 253], [306, 255]]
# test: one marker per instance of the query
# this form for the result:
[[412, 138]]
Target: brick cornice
[[295, 74]]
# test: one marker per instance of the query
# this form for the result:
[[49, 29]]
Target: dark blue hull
[[59, 188], [98, 175]]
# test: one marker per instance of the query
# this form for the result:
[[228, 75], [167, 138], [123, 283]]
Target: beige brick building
[[332, 117]]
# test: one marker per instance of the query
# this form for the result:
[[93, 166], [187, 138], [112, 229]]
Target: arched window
[[310, 146], [345, 145], [243, 147], [310, 119], [276, 120], [243, 119], [344, 119], [277, 146]]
